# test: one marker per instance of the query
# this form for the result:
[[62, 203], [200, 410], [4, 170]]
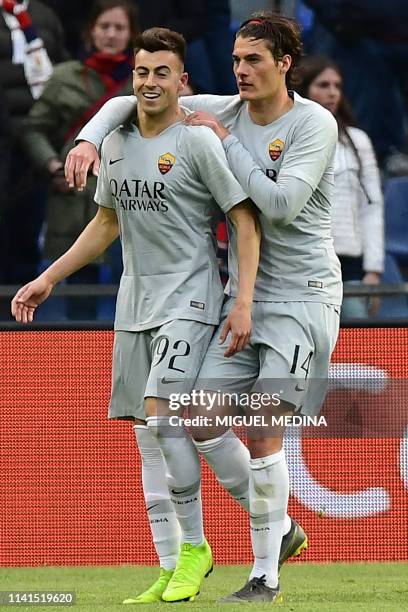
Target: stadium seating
[[396, 218], [392, 307], [396, 244]]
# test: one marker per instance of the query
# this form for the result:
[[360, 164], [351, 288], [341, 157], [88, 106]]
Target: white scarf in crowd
[[33, 56]]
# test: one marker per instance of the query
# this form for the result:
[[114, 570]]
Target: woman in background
[[74, 93], [357, 211]]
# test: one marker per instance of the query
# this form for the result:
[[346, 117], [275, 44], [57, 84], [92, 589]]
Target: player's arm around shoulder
[[84, 156], [210, 103]]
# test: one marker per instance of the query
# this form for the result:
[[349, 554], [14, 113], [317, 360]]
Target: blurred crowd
[[60, 61]]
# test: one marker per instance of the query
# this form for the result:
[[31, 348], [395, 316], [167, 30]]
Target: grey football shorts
[[288, 355], [155, 363]]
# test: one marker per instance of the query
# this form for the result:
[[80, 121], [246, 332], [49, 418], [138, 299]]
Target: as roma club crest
[[166, 162], [275, 149]]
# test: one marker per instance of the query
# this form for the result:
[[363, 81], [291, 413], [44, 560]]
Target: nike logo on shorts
[[114, 161], [299, 389], [180, 492], [151, 507], [168, 381]]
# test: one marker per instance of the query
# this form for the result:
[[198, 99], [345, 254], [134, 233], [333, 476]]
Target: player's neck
[[270, 109], [153, 125]]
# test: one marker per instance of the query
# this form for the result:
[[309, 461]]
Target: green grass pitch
[[307, 587]]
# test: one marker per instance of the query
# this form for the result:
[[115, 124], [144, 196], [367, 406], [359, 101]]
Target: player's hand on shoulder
[[80, 160], [29, 297], [238, 324], [209, 120]]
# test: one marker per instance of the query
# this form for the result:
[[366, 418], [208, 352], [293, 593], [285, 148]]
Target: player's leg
[[178, 350], [268, 498], [323, 320], [164, 525], [229, 459], [285, 363], [131, 367], [220, 380], [224, 452], [183, 470], [162, 518]]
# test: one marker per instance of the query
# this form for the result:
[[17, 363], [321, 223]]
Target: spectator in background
[[184, 16], [71, 97], [4, 145], [368, 39], [28, 26], [357, 212], [205, 24]]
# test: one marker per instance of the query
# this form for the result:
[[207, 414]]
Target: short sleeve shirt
[[167, 191]]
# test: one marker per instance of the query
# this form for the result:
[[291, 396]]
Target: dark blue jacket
[[385, 20]]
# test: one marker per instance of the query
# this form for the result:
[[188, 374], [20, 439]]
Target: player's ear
[[285, 63], [183, 82]]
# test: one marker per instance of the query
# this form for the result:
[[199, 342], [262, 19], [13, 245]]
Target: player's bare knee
[[207, 419], [139, 422], [150, 405], [264, 446], [202, 434], [160, 407]]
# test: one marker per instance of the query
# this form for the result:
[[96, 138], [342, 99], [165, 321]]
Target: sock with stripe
[[268, 500], [228, 458], [183, 476], [163, 521]]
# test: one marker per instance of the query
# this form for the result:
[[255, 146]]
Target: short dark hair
[[281, 34], [101, 6], [161, 39]]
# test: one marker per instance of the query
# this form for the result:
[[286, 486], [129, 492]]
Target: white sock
[[268, 500], [287, 524], [163, 521], [183, 477], [228, 458]]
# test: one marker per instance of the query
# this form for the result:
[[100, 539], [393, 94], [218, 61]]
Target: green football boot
[[155, 592], [293, 543], [194, 564]]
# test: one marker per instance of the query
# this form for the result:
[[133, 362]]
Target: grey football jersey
[[164, 190], [298, 261]]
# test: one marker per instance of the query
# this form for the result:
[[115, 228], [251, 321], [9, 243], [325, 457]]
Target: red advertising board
[[70, 480]]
